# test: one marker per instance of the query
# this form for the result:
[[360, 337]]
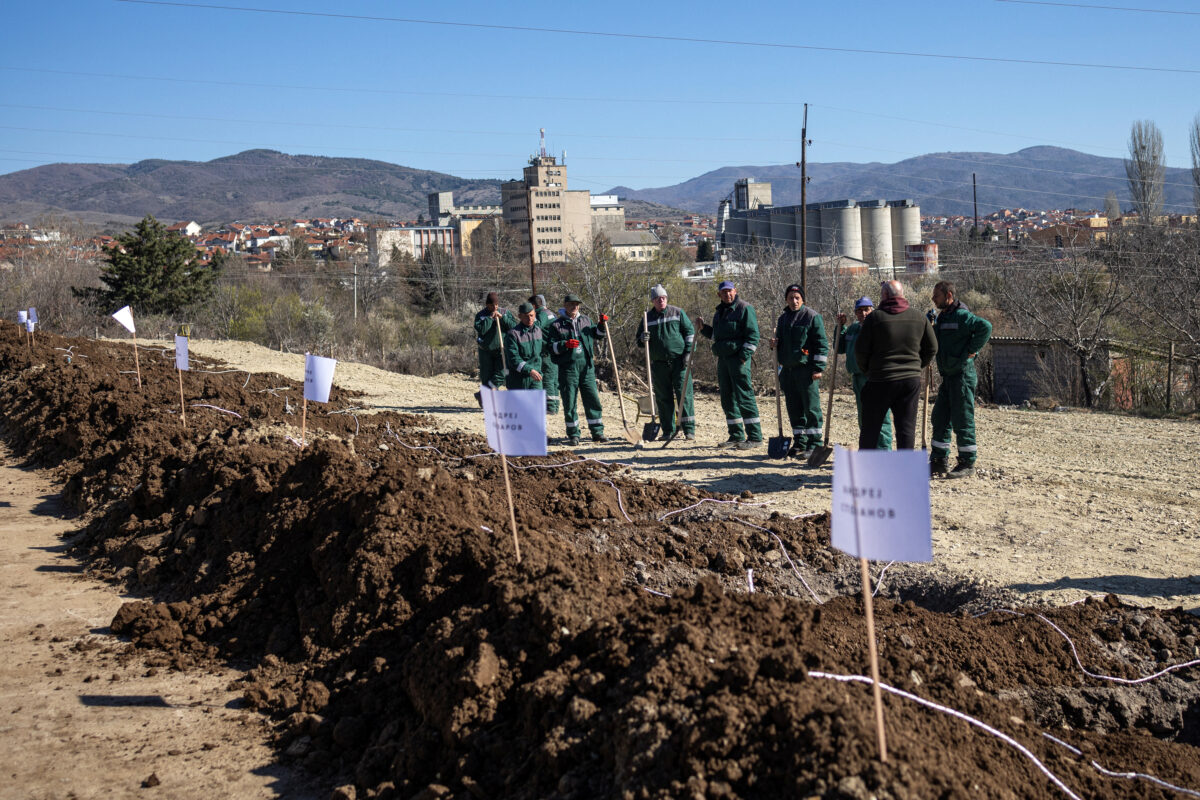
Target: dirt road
[[1064, 505], [80, 717]]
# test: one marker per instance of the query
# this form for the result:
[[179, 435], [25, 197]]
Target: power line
[[663, 38], [1101, 7]]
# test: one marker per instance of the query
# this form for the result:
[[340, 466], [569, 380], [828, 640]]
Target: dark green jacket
[[895, 344], [544, 318], [802, 341], [734, 330], [959, 333], [524, 348], [486, 336], [581, 328], [671, 333], [846, 345]]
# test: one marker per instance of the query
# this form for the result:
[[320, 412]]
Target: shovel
[[631, 436], [778, 446], [651, 429], [687, 374], [821, 454], [925, 406]]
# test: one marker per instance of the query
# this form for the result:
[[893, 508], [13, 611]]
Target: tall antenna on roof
[[542, 140]]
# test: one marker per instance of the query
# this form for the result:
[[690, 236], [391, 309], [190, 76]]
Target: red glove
[[572, 344], [603, 318]]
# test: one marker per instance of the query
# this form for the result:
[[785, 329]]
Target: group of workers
[[887, 349]]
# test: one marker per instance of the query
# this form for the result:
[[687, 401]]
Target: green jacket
[[846, 345], [959, 333], [581, 328], [734, 330], [802, 341], [544, 318], [524, 348], [486, 336], [671, 333]]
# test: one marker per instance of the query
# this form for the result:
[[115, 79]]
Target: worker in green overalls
[[491, 323], [573, 349], [802, 350], [858, 379], [671, 337], [549, 368], [524, 347], [734, 334], [960, 337]]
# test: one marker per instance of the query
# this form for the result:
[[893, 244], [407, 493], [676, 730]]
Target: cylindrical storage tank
[[841, 232], [812, 233], [784, 236], [921, 258], [906, 226], [876, 220]]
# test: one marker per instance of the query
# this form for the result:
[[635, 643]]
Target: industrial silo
[[841, 232], [812, 225], [876, 220], [906, 227], [921, 258]]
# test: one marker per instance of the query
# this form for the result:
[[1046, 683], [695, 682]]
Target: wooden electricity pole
[[804, 204]]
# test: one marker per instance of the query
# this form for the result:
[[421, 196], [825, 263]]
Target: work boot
[[691, 437], [962, 470], [728, 443], [794, 451], [749, 445], [572, 441], [599, 437], [937, 468]]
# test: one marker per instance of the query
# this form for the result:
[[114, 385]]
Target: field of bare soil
[[369, 584]]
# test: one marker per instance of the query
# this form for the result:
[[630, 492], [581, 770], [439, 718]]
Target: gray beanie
[[658, 291]]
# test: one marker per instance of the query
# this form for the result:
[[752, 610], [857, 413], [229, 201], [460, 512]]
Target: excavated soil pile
[[371, 580]]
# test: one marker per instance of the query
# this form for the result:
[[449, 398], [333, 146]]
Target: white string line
[[978, 723], [620, 502], [785, 555], [707, 500], [1129, 775], [750, 579], [1079, 663], [651, 591], [214, 408], [879, 580]]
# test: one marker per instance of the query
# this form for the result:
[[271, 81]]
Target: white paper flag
[[29, 325], [318, 377], [181, 353], [22, 316], [33, 314], [515, 419], [886, 495], [125, 317]]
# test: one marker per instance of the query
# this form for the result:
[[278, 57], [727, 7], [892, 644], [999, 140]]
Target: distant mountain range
[[268, 185]]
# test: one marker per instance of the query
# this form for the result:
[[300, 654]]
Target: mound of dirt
[[371, 579]]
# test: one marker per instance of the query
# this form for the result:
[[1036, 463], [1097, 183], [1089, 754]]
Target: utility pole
[[355, 263], [975, 198], [804, 204]]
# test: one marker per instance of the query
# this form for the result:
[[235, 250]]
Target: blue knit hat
[[863, 302]]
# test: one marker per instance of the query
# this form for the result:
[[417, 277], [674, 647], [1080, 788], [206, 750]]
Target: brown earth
[[397, 640]]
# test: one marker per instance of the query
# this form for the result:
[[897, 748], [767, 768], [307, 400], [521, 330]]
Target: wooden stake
[[925, 406], [868, 605], [182, 410], [512, 517], [303, 422], [136, 364]]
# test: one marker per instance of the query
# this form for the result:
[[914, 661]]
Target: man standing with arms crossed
[[858, 379], [802, 350], [734, 332], [894, 344], [573, 349], [671, 337], [523, 349], [960, 336]]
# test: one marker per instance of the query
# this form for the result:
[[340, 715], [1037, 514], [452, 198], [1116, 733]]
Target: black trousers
[[900, 397]]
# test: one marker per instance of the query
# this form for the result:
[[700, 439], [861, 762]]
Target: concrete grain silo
[[876, 222], [841, 229], [812, 224], [906, 227]]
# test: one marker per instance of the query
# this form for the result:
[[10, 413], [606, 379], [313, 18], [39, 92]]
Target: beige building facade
[[561, 218]]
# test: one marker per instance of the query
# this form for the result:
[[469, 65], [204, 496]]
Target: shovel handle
[[649, 375], [837, 340], [778, 402]]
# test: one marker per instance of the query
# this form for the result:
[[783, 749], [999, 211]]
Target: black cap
[[795, 287]]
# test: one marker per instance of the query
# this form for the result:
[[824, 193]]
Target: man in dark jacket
[[491, 323], [894, 345], [671, 337], [524, 348], [960, 336], [734, 334], [802, 350], [549, 368], [573, 340]]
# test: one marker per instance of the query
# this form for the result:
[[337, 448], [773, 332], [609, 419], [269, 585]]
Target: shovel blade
[[631, 436], [778, 446], [650, 431], [819, 456]]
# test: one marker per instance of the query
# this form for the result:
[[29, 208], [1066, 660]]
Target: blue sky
[[116, 82]]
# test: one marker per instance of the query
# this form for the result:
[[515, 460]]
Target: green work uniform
[[858, 380], [671, 337], [548, 369], [734, 331], [802, 349], [577, 371], [524, 348], [960, 334], [488, 341]]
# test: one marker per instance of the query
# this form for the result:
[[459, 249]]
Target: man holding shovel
[[573, 350], [491, 323], [523, 349], [802, 350], [734, 334], [671, 338]]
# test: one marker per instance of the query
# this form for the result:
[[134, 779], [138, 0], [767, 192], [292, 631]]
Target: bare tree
[[1112, 206], [1144, 169]]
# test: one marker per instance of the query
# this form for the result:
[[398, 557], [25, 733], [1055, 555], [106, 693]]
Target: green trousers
[[550, 384], [803, 399], [737, 399], [954, 410], [885, 433], [515, 380], [667, 377], [577, 380], [491, 368]]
